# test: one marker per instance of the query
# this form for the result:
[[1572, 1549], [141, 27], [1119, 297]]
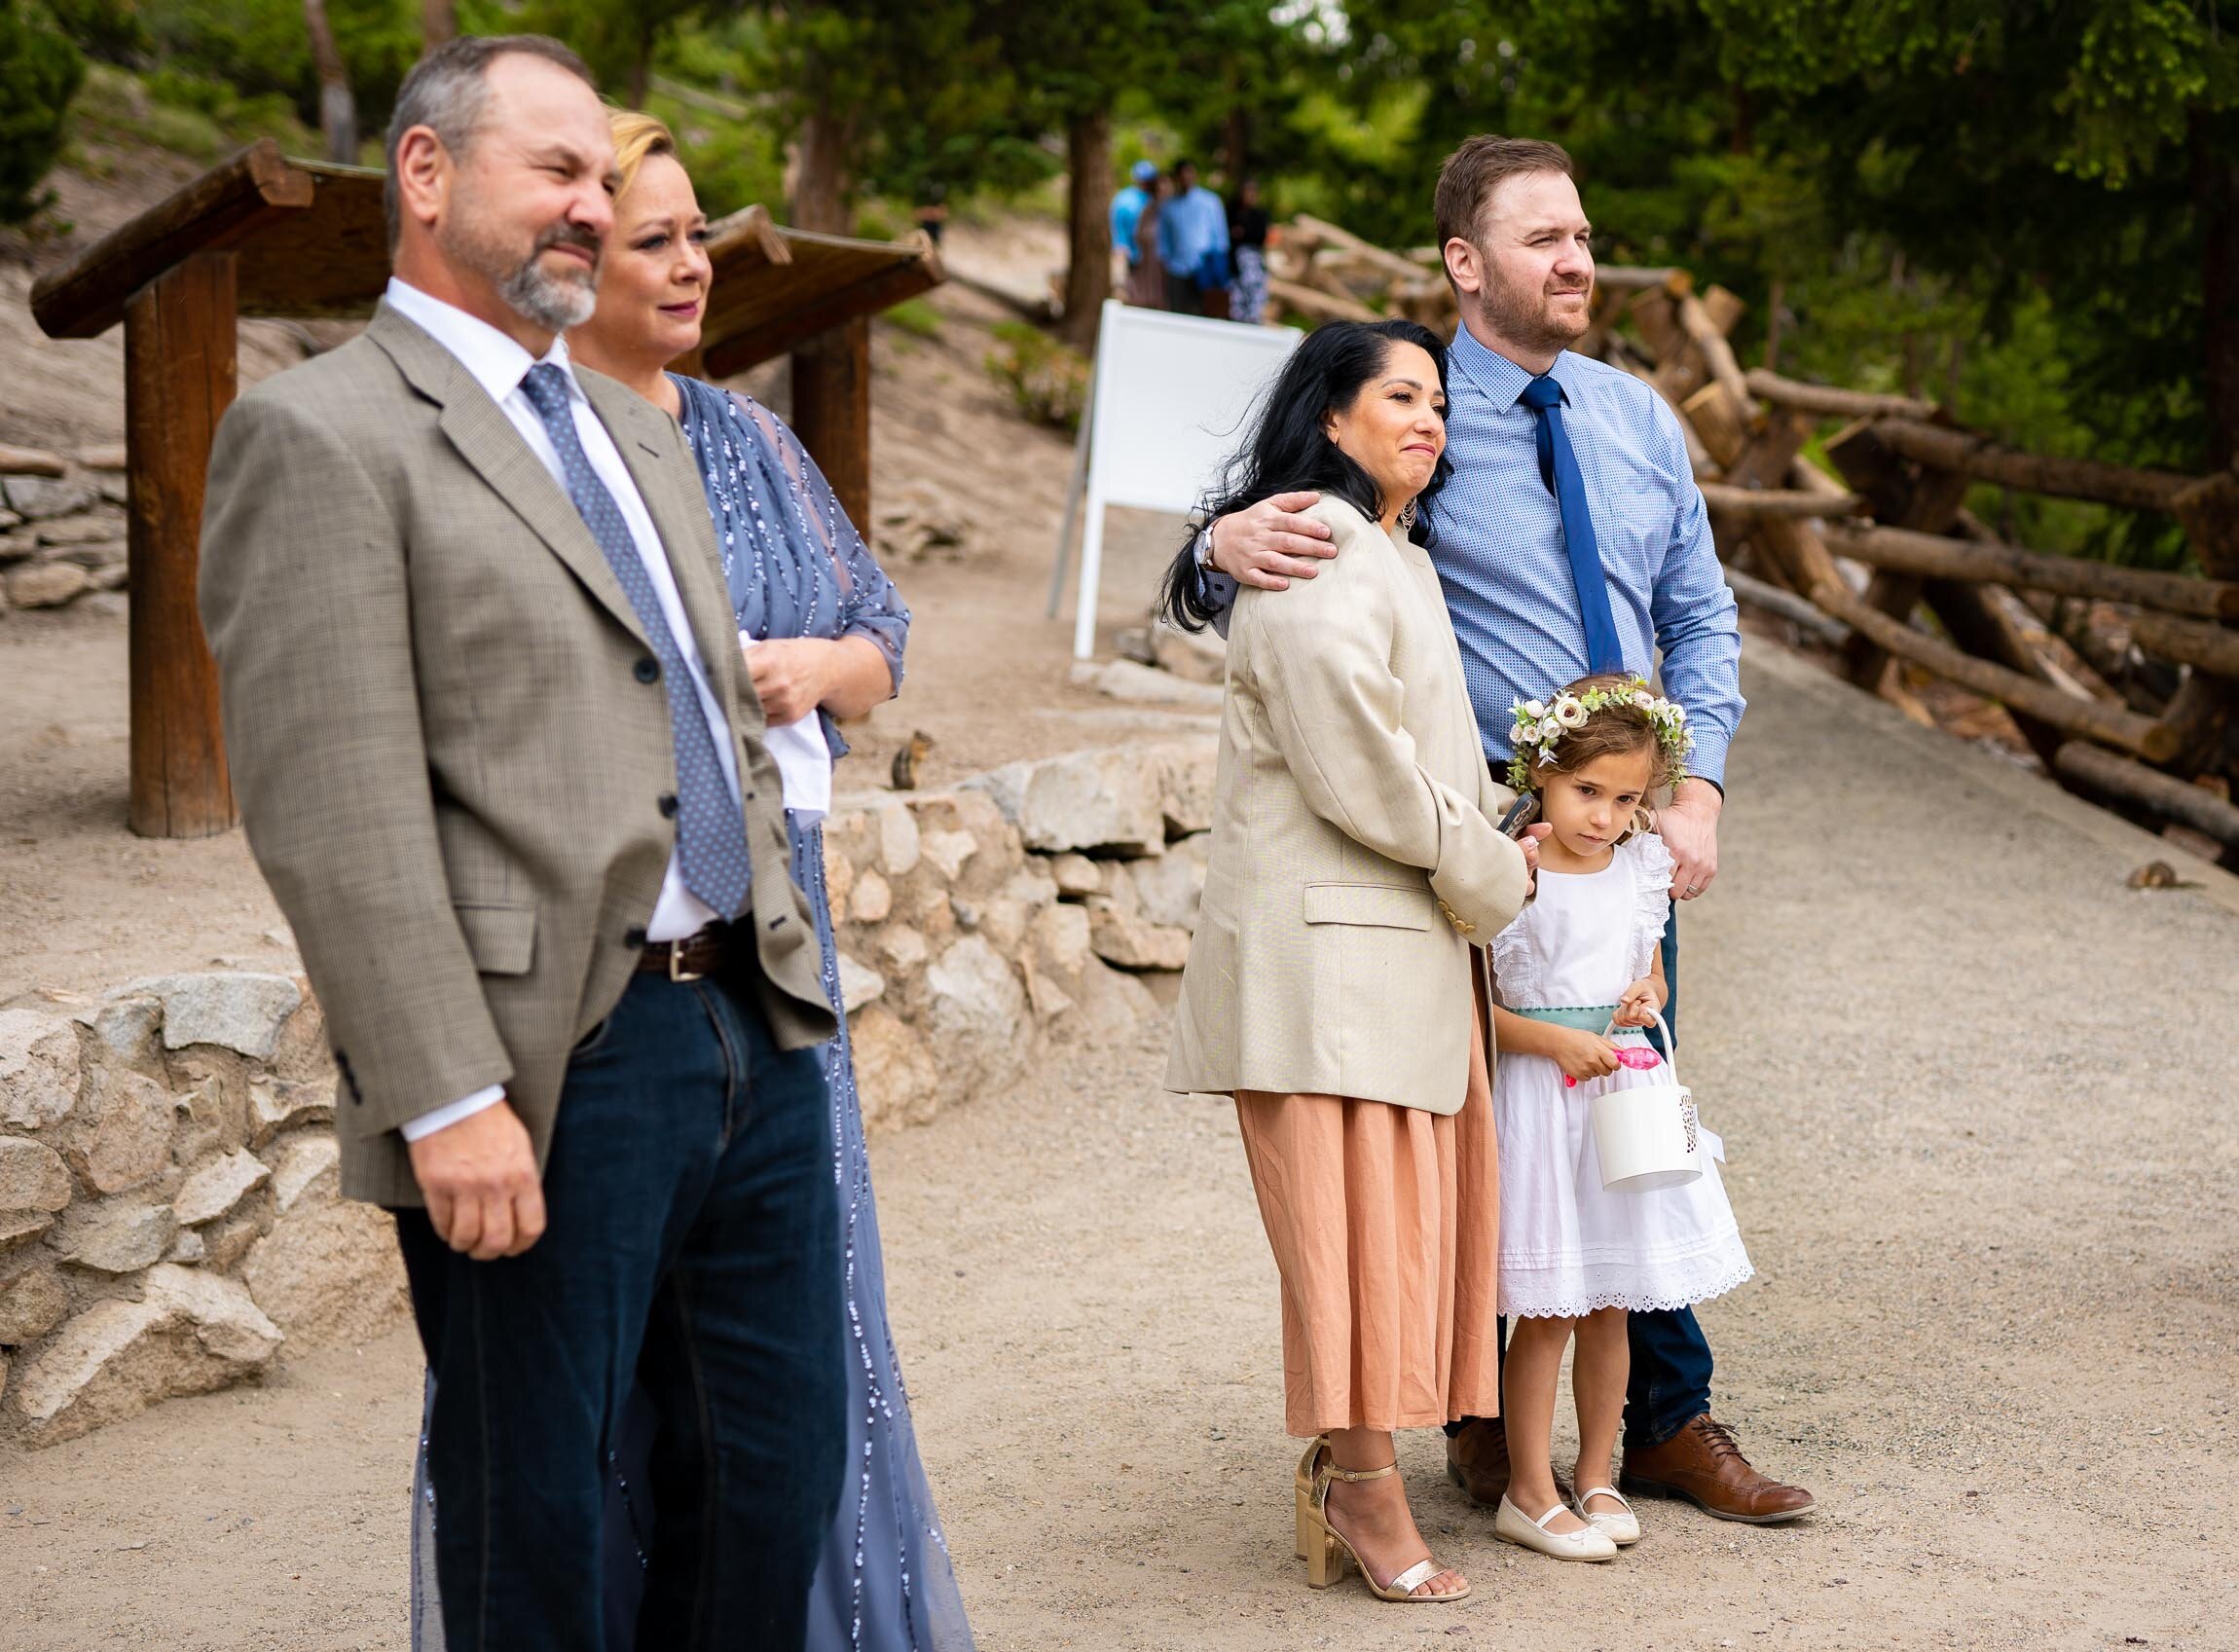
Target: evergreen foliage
[[43, 74]]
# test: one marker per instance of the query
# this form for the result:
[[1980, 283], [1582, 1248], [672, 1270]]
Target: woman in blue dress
[[823, 631]]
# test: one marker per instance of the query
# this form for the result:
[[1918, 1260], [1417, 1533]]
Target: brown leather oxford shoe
[[1476, 1461], [1702, 1464]]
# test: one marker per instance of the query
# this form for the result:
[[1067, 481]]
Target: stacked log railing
[[1874, 553], [1884, 541]]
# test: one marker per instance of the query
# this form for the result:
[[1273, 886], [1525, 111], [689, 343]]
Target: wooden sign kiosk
[[265, 235]]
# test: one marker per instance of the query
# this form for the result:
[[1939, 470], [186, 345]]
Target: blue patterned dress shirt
[[1500, 556]]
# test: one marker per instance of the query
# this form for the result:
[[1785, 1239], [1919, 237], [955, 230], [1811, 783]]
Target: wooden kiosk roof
[[263, 234], [312, 243]]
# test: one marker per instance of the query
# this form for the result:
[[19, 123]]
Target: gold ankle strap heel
[[1324, 1547]]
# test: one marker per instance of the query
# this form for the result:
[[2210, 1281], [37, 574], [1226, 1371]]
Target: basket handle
[[1670, 1044]]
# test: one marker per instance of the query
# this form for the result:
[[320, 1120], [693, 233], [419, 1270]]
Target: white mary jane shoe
[[1511, 1526], [1622, 1529]]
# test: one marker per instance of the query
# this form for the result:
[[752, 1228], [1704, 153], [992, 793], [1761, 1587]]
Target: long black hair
[[1289, 452]]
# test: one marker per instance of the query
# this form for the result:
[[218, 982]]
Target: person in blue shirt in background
[[1127, 214], [1194, 243]]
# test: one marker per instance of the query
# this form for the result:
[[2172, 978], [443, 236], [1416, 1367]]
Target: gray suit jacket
[[450, 771], [1356, 854]]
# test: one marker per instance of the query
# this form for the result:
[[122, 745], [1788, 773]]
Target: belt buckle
[[676, 970]]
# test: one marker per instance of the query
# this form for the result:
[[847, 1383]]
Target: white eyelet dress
[[1568, 1247]]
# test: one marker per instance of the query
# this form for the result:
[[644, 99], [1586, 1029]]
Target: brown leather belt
[[702, 953]]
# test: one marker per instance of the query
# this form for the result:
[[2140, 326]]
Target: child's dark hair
[[1613, 731]]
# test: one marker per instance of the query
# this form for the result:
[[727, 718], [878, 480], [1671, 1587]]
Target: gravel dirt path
[[1976, 1095]]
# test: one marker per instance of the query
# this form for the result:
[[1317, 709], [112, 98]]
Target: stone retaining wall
[[62, 527], [170, 1216]]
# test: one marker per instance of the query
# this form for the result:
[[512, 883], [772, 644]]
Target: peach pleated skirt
[[1385, 1224]]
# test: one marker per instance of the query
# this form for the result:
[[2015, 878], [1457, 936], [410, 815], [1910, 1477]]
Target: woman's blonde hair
[[637, 135]]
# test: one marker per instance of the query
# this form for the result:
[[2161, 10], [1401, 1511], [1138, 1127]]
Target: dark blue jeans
[[692, 1242], [1670, 1380]]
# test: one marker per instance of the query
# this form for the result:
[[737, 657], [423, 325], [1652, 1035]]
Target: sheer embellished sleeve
[[870, 605]]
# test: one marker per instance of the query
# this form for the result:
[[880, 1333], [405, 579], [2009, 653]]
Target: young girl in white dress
[[1574, 1255]]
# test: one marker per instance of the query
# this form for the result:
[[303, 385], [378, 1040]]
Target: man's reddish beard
[[1528, 318]]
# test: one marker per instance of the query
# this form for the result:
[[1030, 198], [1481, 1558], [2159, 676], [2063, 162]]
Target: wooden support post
[[179, 379], [831, 413]]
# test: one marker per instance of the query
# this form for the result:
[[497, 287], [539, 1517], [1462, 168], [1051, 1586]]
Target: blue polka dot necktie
[[710, 832], [1558, 470]]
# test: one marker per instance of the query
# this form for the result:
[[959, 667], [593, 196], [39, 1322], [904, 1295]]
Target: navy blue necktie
[[1558, 470], [710, 832]]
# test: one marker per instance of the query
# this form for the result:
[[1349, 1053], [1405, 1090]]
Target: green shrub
[[916, 317], [44, 72], [1046, 378]]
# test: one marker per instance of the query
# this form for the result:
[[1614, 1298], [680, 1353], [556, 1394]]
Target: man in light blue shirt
[[1534, 432], [1127, 211], [1193, 242]]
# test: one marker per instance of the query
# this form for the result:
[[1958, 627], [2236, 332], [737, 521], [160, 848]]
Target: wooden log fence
[[1990, 562], [1895, 507], [2095, 719]]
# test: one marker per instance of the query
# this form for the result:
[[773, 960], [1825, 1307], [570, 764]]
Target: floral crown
[[1541, 725]]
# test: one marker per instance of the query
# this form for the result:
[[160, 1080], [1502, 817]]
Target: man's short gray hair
[[448, 90]]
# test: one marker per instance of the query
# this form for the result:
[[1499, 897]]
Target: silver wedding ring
[[1694, 889]]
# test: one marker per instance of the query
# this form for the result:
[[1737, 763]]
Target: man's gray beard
[[1524, 319], [548, 300], [531, 292]]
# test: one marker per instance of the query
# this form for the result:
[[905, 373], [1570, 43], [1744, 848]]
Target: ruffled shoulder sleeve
[[1515, 962], [1652, 869]]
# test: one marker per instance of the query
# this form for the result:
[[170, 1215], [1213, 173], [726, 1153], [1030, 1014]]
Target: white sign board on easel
[[1169, 403]]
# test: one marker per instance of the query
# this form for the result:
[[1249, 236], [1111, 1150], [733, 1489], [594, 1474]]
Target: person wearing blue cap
[[1127, 216]]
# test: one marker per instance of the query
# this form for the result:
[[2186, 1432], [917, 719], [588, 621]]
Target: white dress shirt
[[500, 364]]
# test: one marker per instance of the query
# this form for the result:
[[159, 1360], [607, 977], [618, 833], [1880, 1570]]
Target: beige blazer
[[1355, 842], [450, 774]]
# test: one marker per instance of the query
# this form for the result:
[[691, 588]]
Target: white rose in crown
[[1550, 728], [1571, 712], [1532, 709]]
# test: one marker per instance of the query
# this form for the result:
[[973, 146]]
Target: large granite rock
[[1123, 800], [329, 1270], [215, 1186], [1167, 890], [190, 1332], [976, 1017], [46, 584], [113, 1238], [280, 1104], [897, 1081], [232, 1009], [120, 1133], [1105, 799], [36, 498], [32, 1176], [39, 1069], [1130, 942], [31, 1304]]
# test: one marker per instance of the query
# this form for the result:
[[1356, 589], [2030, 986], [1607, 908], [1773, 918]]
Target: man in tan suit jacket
[[485, 713]]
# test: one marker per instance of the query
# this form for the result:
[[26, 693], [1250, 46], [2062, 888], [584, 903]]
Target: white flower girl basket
[[1646, 1134]]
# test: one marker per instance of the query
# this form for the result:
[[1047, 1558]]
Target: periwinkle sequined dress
[[796, 567]]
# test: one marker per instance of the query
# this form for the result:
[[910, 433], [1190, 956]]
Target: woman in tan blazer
[[1332, 986]]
